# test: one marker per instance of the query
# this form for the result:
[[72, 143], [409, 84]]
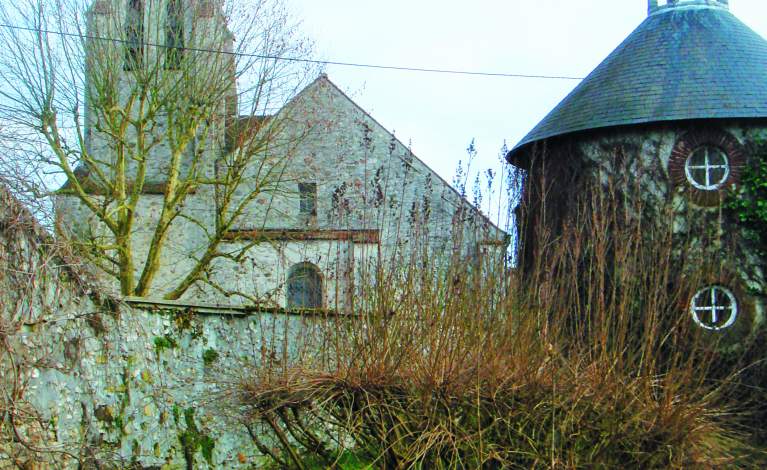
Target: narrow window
[[714, 308], [307, 201], [134, 35], [304, 289], [174, 34]]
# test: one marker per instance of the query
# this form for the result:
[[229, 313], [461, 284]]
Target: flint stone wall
[[644, 157], [97, 380]]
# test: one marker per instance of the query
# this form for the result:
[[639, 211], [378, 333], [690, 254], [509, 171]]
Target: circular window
[[714, 308], [704, 163], [707, 168]]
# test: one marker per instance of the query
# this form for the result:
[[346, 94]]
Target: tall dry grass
[[584, 357]]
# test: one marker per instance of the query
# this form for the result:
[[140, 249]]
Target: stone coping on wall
[[308, 234], [149, 303]]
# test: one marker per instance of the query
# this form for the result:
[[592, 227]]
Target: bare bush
[[41, 291], [585, 358]]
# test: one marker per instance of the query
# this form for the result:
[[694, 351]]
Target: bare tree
[[139, 107], [23, 177]]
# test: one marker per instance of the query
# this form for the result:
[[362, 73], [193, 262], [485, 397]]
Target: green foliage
[[206, 447], [191, 438], [747, 204], [209, 356], [351, 461], [162, 343], [119, 424]]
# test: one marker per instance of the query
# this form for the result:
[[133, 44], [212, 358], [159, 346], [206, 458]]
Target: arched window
[[134, 35], [304, 287]]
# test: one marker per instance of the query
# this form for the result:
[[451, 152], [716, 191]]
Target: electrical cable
[[297, 59]]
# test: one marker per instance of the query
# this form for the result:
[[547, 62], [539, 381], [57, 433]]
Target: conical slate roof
[[684, 62]]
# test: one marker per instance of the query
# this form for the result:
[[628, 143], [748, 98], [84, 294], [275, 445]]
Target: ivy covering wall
[[747, 204]]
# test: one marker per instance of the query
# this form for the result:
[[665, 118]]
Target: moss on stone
[[209, 356], [162, 343], [191, 438]]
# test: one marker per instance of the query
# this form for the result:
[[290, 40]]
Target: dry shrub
[[39, 290], [585, 358]]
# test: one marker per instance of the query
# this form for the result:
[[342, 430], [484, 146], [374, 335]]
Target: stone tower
[[177, 196], [160, 96], [682, 103], [159, 66]]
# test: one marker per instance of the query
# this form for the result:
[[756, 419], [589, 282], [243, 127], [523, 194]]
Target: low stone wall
[[89, 381], [156, 386]]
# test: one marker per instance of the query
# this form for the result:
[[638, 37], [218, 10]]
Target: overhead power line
[[297, 59]]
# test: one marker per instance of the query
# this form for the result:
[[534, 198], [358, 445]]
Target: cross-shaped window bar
[[707, 168], [714, 303]]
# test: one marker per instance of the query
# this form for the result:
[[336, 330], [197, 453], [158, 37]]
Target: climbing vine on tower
[[747, 203]]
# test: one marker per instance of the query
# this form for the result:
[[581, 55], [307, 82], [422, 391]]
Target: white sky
[[440, 114]]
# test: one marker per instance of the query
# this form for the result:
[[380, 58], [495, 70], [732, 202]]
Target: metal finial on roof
[[658, 5]]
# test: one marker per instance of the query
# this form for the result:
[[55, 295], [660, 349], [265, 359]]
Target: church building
[[323, 195]]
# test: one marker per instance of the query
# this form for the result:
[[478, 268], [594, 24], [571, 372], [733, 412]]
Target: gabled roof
[[687, 62], [327, 84]]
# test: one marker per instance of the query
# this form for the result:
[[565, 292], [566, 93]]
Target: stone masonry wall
[[87, 379], [649, 157], [366, 180]]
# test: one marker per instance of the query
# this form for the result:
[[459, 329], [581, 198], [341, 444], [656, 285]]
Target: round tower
[[680, 108]]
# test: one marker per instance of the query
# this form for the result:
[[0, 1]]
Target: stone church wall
[[366, 182]]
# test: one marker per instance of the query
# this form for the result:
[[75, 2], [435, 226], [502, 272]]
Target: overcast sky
[[440, 114]]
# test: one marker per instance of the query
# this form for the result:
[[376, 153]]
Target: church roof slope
[[693, 62]]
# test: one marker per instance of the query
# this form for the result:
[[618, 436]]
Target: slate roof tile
[[685, 63]]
